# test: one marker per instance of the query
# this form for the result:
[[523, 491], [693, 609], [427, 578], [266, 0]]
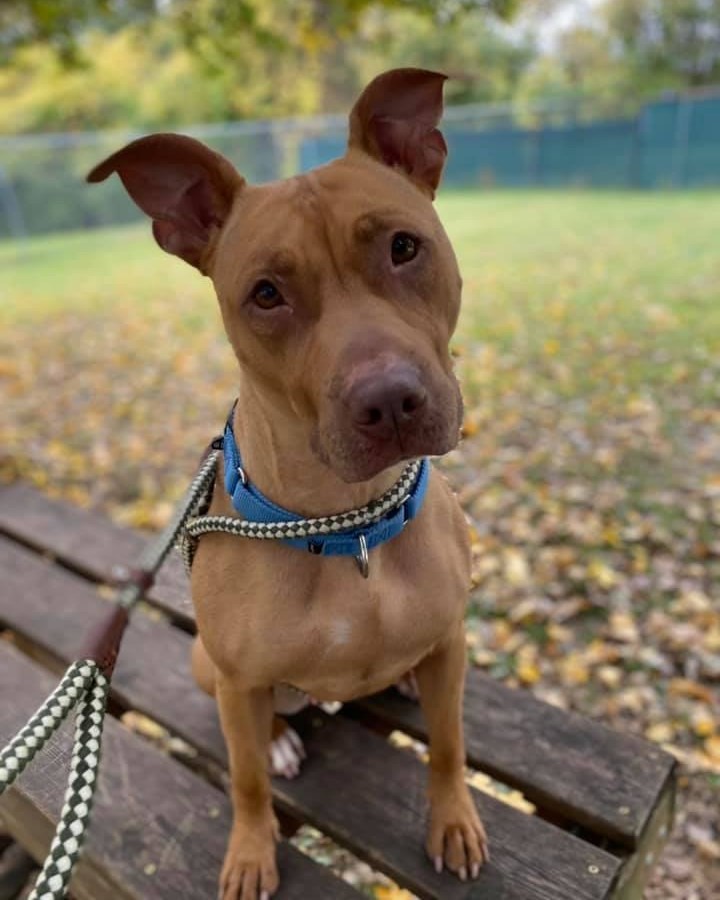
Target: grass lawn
[[580, 275], [612, 259], [589, 352]]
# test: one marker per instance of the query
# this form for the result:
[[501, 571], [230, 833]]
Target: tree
[[483, 61], [204, 23], [676, 42], [583, 73], [624, 53], [60, 23]]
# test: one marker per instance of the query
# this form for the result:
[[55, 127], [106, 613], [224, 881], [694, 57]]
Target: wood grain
[[607, 782], [89, 543]]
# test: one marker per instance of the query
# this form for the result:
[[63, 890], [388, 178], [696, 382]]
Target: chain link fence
[[674, 142]]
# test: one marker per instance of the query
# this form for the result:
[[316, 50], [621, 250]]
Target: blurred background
[[582, 194]]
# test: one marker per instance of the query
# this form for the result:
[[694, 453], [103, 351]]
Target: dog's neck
[[279, 461]]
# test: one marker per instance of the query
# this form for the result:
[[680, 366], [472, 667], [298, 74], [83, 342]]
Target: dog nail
[[438, 864], [475, 871], [264, 896], [462, 873]]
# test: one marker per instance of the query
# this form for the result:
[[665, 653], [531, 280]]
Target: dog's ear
[[395, 121], [185, 187]]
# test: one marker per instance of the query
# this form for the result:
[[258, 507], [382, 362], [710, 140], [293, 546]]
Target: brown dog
[[339, 292]]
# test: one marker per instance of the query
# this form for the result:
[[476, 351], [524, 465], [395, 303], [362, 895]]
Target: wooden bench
[[603, 801]]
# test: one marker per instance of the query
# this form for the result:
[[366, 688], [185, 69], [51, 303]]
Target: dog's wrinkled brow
[[282, 262], [369, 224]]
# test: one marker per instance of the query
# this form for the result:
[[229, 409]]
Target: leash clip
[[362, 559]]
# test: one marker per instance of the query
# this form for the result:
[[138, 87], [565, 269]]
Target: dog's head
[[339, 289]]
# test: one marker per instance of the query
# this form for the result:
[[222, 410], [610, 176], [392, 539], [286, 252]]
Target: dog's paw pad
[[286, 754]]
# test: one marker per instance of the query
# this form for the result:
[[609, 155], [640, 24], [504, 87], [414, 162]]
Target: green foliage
[[631, 50], [60, 22], [482, 63], [676, 41], [210, 60], [79, 64], [271, 22], [583, 67]]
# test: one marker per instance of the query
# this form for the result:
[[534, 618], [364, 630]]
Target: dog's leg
[[249, 870], [202, 666], [286, 751], [456, 836]]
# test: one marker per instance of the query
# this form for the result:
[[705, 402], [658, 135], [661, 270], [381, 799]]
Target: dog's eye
[[266, 295], [404, 248]]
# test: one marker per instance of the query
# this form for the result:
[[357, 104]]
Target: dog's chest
[[272, 614], [358, 638]]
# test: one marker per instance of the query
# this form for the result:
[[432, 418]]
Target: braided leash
[[85, 687], [199, 523]]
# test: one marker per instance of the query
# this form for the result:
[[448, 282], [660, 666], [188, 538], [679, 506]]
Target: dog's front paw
[[249, 871], [456, 836]]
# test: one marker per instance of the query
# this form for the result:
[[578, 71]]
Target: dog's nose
[[385, 404]]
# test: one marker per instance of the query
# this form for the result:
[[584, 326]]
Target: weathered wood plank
[[637, 869], [606, 781], [345, 787], [89, 543], [55, 609], [157, 830], [374, 802]]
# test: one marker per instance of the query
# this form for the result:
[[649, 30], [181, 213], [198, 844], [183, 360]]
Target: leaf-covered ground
[[589, 352]]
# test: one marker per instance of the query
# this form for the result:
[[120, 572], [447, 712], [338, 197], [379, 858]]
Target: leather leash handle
[[103, 643]]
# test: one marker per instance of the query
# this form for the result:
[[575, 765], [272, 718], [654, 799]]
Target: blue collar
[[255, 507]]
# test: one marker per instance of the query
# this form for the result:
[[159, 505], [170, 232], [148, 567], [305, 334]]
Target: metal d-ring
[[243, 475], [362, 558]]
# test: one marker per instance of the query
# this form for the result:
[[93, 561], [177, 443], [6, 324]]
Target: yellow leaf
[[684, 687], [400, 739], [484, 658], [391, 892], [602, 574], [516, 567], [143, 725], [660, 732], [574, 670], [712, 747], [640, 560], [703, 723], [561, 634], [610, 676], [528, 672], [712, 638], [622, 627], [501, 634], [611, 535], [470, 427]]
